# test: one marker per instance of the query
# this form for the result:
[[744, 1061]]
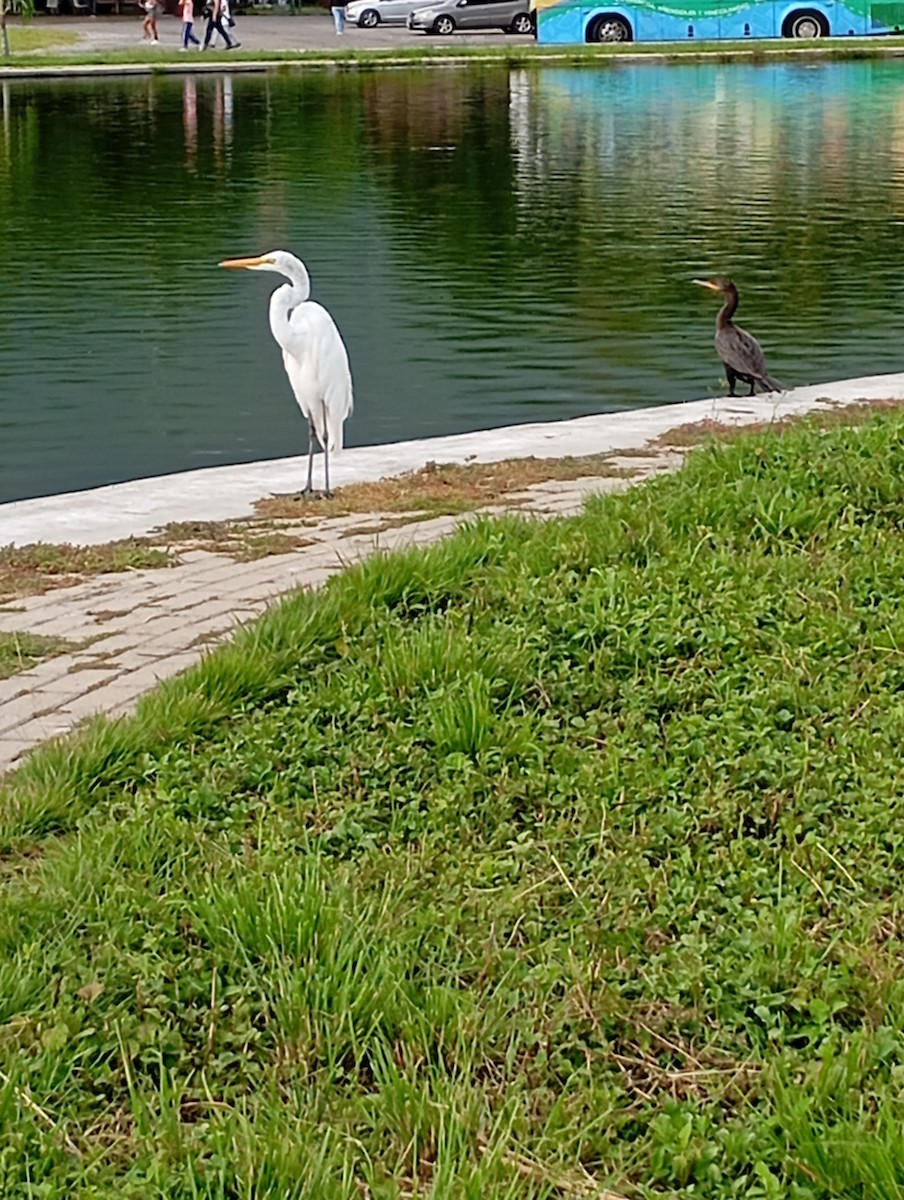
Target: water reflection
[[495, 246], [190, 121], [222, 116]]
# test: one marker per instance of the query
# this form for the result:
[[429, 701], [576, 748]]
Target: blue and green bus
[[701, 20]]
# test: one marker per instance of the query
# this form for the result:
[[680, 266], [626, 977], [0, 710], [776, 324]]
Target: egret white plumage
[[314, 355]]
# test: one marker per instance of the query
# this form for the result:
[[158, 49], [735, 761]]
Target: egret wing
[[316, 362]]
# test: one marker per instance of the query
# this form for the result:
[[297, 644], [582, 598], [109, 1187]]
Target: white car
[[368, 14]]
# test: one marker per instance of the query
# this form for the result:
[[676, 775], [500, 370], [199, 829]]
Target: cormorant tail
[[771, 384]]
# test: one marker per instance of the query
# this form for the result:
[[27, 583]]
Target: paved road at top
[[270, 33]]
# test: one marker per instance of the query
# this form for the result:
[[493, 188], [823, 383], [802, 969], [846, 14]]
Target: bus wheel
[[610, 28], [805, 23]]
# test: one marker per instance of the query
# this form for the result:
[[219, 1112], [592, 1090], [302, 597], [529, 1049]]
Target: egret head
[[274, 260], [719, 284]]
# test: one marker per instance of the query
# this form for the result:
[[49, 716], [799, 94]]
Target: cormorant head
[[720, 284]]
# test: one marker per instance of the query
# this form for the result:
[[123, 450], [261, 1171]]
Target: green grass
[[428, 49], [26, 39], [558, 857], [19, 651]]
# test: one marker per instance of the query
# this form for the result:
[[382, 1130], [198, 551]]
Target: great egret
[[314, 355], [740, 352]]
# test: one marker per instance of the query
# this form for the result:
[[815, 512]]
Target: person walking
[[188, 18], [215, 22], [149, 28], [227, 20], [338, 11]]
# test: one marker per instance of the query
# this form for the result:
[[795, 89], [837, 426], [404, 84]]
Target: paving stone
[[11, 749], [89, 705], [167, 667], [34, 677], [196, 556], [170, 643], [41, 729], [134, 657], [114, 644], [17, 713], [67, 687], [16, 623], [212, 606], [135, 683], [65, 625]]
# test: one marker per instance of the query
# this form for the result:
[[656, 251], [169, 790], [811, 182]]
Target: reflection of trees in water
[[440, 141], [593, 193], [649, 174], [439, 151]]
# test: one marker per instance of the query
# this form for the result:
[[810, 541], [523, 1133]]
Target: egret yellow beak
[[246, 262], [707, 283]]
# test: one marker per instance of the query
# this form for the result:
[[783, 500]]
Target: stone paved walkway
[[146, 625]]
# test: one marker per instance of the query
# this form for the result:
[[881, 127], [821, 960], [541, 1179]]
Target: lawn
[[557, 858], [27, 39]]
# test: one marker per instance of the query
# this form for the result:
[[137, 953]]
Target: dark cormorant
[[740, 352]]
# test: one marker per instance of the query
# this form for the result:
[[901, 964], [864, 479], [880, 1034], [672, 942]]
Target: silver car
[[368, 14], [448, 15]]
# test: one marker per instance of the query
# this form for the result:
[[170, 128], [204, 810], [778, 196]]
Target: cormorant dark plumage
[[740, 352]]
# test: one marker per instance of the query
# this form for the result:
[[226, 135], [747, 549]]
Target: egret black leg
[[752, 386], [732, 376], [327, 494], [309, 486]]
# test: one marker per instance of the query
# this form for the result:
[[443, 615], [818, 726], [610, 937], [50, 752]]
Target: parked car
[[368, 14], [445, 16]]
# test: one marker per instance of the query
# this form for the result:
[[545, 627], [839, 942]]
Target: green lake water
[[496, 246]]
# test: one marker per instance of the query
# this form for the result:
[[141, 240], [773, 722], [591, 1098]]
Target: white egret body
[[314, 354]]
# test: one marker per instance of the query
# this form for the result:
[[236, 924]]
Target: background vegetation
[[556, 857]]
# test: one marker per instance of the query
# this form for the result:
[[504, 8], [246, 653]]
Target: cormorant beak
[[707, 283], [246, 262]]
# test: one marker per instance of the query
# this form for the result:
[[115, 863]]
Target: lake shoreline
[[102, 57], [139, 506]]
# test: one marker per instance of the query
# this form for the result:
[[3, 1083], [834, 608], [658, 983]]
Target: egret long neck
[[282, 302], [728, 309]]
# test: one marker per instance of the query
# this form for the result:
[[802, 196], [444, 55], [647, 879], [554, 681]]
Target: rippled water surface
[[495, 246]]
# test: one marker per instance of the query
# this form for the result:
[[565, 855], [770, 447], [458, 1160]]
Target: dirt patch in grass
[[244, 541], [19, 651], [28, 570], [442, 488]]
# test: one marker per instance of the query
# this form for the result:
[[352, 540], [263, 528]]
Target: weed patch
[[27, 570], [442, 487], [19, 651]]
